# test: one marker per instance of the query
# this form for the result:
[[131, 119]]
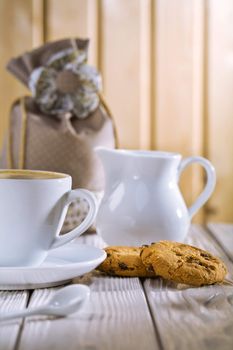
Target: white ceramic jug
[[142, 202]]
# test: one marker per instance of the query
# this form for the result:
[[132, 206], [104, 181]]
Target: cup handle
[[88, 221], [210, 185]]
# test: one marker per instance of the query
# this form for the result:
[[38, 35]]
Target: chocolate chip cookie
[[183, 263], [124, 261]]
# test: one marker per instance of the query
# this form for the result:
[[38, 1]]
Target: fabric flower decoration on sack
[[66, 84]]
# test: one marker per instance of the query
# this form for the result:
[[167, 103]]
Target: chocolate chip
[[178, 254], [211, 267], [205, 255], [150, 268], [123, 266]]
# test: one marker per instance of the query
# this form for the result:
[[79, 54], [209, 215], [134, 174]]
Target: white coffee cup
[[33, 205]]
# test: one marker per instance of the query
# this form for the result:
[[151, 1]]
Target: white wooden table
[[132, 313]]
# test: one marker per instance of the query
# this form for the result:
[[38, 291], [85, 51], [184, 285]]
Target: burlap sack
[[65, 144]]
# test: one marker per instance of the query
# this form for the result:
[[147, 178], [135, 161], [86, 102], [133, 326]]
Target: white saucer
[[61, 265]]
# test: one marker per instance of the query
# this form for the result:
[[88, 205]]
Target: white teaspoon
[[64, 302]]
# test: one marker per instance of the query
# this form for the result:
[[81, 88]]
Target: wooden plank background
[[167, 71]]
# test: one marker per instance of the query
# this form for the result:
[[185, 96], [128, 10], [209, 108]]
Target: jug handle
[[210, 185]]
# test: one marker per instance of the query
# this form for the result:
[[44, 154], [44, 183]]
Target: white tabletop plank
[[9, 331], [193, 318], [223, 233], [116, 317]]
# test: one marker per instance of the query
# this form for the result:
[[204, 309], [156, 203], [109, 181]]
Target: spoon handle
[[13, 315]]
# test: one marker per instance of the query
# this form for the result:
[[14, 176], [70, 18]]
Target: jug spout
[[111, 163], [105, 154]]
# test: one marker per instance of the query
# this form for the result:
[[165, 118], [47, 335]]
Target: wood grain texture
[[73, 18], [9, 331], [220, 106], [66, 19], [94, 25], [194, 318], [178, 86], [125, 60], [38, 27], [223, 233], [15, 38], [115, 317], [167, 74], [145, 77]]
